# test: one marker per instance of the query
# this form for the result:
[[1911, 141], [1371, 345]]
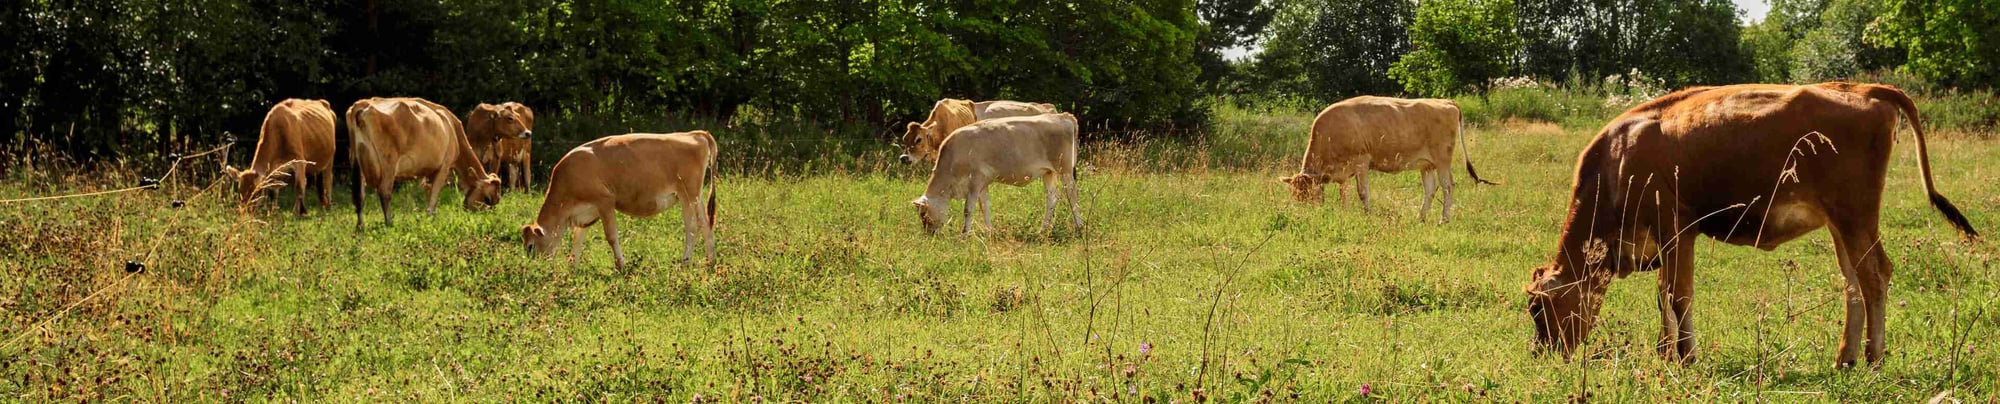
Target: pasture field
[[1196, 278]]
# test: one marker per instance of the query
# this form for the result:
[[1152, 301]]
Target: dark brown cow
[[1755, 165]]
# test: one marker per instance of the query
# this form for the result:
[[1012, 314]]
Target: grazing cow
[[501, 135], [1012, 151], [412, 138], [295, 129], [638, 174], [1755, 165], [921, 140], [1390, 135]]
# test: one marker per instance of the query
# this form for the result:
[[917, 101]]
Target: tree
[[1459, 45], [1328, 50], [1956, 42], [1227, 24], [1834, 48]]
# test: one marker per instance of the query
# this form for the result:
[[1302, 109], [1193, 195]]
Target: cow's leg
[[575, 244], [1361, 186], [610, 219], [970, 199], [326, 188], [299, 187], [700, 226], [1676, 297], [528, 170], [384, 186], [436, 185], [691, 222], [1430, 190], [1075, 199], [1053, 193], [1450, 189], [1857, 243]]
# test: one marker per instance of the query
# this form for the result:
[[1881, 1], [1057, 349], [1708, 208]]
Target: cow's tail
[[708, 178], [1468, 153], [354, 129], [1909, 108]]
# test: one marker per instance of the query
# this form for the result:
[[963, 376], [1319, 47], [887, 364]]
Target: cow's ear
[[1542, 272]]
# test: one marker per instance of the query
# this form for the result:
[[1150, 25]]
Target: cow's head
[[481, 193], [537, 240], [930, 212], [1564, 301], [918, 143], [246, 182], [509, 123], [1306, 187]]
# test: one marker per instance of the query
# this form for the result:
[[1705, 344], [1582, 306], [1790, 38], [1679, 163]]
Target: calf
[[1755, 165], [295, 129], [1390, 135], [1012, 151], [411, 138], [921, 140], [638, 174]]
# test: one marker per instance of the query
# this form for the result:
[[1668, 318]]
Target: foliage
[[1229, 24], [153, 76], [1328, 50], [1956, 42], [1458, 45], [1805, 41], [1685, 42]]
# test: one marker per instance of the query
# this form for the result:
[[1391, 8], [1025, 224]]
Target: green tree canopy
[[1953, 41], [1459, 45]]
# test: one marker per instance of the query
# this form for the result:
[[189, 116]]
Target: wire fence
[[133, 267]]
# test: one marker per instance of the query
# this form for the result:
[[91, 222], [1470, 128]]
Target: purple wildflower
[[1365, 390], [1145, 347]]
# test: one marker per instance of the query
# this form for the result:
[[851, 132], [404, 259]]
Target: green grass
[[828, 291]]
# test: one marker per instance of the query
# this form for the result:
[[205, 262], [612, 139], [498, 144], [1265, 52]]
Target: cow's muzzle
[[905, 158], [525, 134]]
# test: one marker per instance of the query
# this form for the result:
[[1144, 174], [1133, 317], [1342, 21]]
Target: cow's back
[[1014, 146], [415, 135], [1412, 133], [1004, 109], [639, 170], [296, 129], [1733, 142]]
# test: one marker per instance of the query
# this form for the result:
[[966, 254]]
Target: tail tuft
[[1951, 214], [1475, 174]]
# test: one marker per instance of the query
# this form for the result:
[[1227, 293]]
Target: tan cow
[[1755, 165], [921, 140], [1012, 151], [638, 174], [295, 129], [412, 138], [501, 135], [1390, 135]]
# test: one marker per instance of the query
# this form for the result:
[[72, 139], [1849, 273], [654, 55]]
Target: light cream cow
[[1012, 151], [921, 140]]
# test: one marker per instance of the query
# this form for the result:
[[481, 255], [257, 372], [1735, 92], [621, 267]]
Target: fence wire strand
[[151, 249]]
